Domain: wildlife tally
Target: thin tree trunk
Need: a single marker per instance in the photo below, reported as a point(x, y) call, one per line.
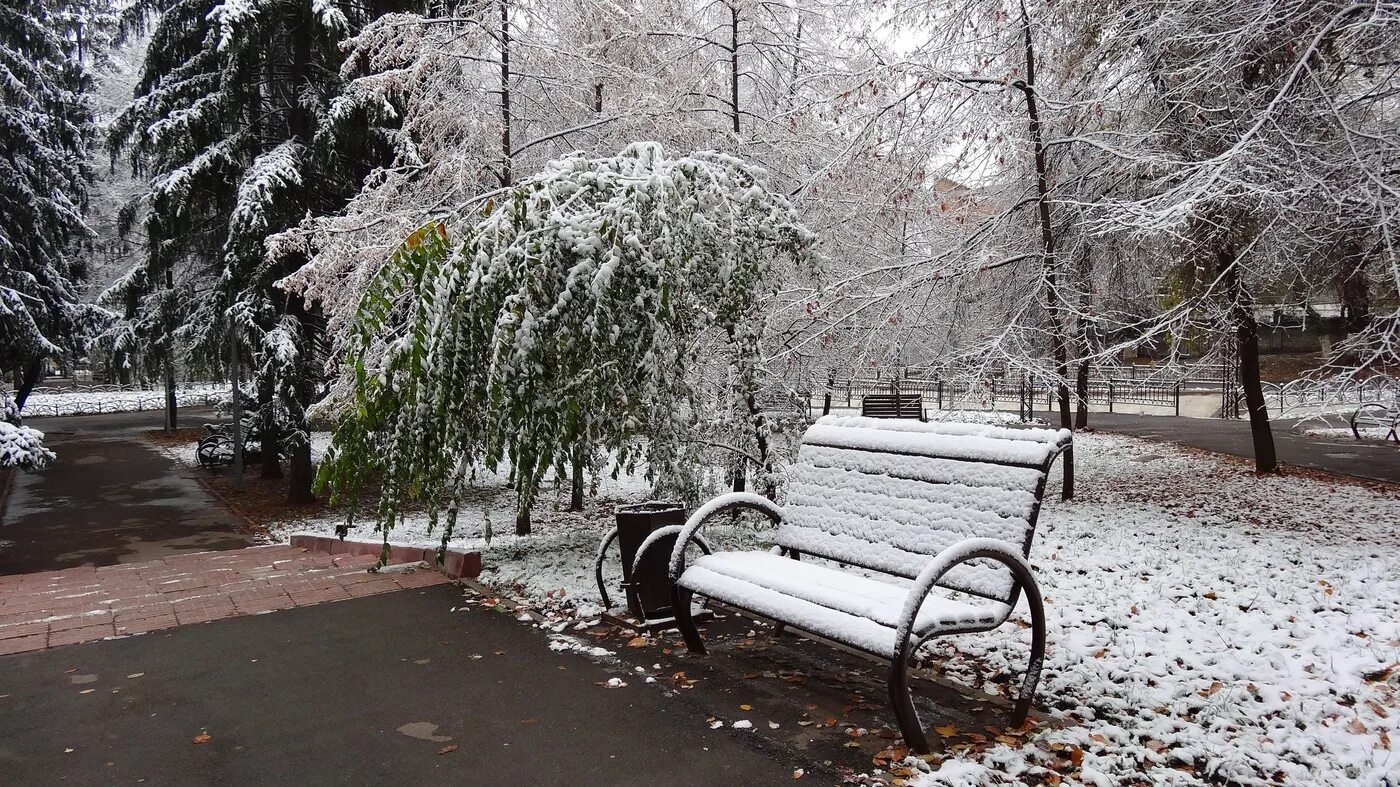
point(734, 66)
point(301, 474)
point(28, 377)
point(267, 427)
point(171, 416)
point(741, 475)
point(506, 175)
point(1054, 305)
point(1081, 395)
point(576, 481)
point(1247, 345)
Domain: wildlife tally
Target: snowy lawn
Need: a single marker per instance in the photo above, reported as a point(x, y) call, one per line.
point(1206, 626)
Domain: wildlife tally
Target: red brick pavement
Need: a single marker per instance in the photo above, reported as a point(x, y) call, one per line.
point(89, 603)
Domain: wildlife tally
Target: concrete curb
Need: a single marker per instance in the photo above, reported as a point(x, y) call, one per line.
point(456, 563)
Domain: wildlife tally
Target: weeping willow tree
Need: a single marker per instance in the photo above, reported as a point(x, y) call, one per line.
point(586, 309)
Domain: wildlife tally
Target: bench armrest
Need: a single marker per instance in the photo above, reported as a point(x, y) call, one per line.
point(945, 561)
point(726, 502)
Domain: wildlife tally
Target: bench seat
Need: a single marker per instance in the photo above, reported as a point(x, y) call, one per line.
point(840, 605)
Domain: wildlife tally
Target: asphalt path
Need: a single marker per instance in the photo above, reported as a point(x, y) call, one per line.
point(1368, 459)
point(391, 689)
point(111, 497)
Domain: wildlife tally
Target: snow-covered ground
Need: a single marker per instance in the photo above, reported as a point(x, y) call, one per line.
point(83, 402)
point(1207, 625)
point(1345, 433)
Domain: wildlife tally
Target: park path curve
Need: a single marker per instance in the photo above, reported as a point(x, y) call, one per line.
point(89, 603)
point(111, 497)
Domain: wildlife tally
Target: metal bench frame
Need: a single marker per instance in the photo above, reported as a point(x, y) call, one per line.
point(907, 639)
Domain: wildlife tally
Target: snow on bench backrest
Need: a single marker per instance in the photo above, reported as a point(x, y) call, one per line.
point(888, 495)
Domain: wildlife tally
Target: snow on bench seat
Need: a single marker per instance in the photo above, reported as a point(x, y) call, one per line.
point(839, 605)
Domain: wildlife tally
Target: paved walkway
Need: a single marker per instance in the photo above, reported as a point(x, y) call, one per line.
point(88, 603)
point(393, 689)
point(1346, 456)
point(111, 498)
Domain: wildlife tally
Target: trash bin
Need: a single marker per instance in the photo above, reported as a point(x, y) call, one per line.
point(648, 595)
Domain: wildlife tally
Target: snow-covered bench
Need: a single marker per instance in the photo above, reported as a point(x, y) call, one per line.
point(946, 505)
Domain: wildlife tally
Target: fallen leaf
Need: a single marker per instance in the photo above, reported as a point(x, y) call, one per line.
point(947, 731)
point(528, 722)
point(1210, 595)
point(203, 737)
point(1355, 726)
point(746, 707)
point(1156, 745)
point(637, 642)
point(448, 749)
point(798, 773)
point(1383, 742)
point(1076, 756)
point(1098, 654)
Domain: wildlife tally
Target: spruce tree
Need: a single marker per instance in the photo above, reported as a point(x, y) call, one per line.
point(45, 124)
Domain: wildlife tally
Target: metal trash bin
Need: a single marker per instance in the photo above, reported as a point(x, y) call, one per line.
point(649, 593)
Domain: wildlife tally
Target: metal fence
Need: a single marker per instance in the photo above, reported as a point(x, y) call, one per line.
point(94, 399)
point(991, 394)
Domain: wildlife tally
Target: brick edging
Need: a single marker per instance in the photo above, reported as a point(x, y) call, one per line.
point(457, 563)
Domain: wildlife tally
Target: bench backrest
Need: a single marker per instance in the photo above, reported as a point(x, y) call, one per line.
point(889, 495)
point(892, 406)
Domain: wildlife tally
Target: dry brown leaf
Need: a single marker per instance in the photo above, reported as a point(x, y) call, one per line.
point(1383, 742)
point(203, 737)
point(1355, 726)
point(798, 773)
point(1076, 756)
point(746, 707)
point(1098, 654)
point(448, 749)
point(947, 730)
point(637, 642)
point(1156, 745)
point(892, 754)
point(1211, 595)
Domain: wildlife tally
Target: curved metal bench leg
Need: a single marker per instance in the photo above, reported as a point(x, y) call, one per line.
point(781, 628)
point(598, 568)
point(903, 705)
point(680, 605)
point(1037, 660)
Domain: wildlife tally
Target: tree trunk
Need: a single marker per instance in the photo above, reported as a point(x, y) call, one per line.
point(1247, 343)
point(734, 66)
point(741, 474)
point(171, 416)
point(506, 175)
point(1081, 395)
point(576, 484)
point(1054, 305)
point(28, 377)
point(301, 475)
point(267, 427)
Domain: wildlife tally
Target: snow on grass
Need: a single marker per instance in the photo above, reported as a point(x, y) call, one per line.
point(1207, 626)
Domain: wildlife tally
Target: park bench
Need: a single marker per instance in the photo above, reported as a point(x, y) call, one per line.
point(1383, 417)
point(898, 405)
point(947, 505)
